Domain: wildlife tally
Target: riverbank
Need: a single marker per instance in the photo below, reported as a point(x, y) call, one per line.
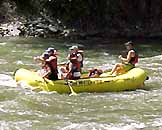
point(47, 28)
point(61, 20)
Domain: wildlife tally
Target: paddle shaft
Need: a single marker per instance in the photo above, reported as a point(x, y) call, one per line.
point(71, 89)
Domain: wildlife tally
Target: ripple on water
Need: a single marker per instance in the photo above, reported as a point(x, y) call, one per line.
point(7, 80)
point(98, 126)
point(22, 109)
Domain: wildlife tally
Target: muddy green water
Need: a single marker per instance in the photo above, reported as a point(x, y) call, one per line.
point(22, 109)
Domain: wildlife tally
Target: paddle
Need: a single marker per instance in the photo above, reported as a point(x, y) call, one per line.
point(73, 93)
point(45, 82)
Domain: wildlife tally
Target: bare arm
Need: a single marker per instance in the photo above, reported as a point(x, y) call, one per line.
point(38, 59)
point(47, 73)
point(129, 56)
point(80, 58)
point(68, 57)
point(51, 58)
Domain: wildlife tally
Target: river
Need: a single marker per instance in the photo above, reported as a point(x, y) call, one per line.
point(23, 109)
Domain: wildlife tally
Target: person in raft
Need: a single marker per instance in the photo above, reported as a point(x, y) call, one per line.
point(45, 71)
point(76, 61)
point(52, 62)
point(128, 62)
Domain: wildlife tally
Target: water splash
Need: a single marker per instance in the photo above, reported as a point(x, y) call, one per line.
point(6, 80)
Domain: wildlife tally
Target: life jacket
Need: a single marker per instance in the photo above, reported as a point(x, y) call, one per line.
point(75, 70)
point(134, 60)
point(74, 61)
point(53, 66)
point(75, 67)
point(73, 57)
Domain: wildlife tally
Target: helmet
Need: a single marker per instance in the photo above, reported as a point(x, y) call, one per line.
point(73, 47)
point(128, 43)
point(50, 49)
point(45, 55)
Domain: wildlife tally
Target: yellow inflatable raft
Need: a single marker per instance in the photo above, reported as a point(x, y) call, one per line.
point(131, 80)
